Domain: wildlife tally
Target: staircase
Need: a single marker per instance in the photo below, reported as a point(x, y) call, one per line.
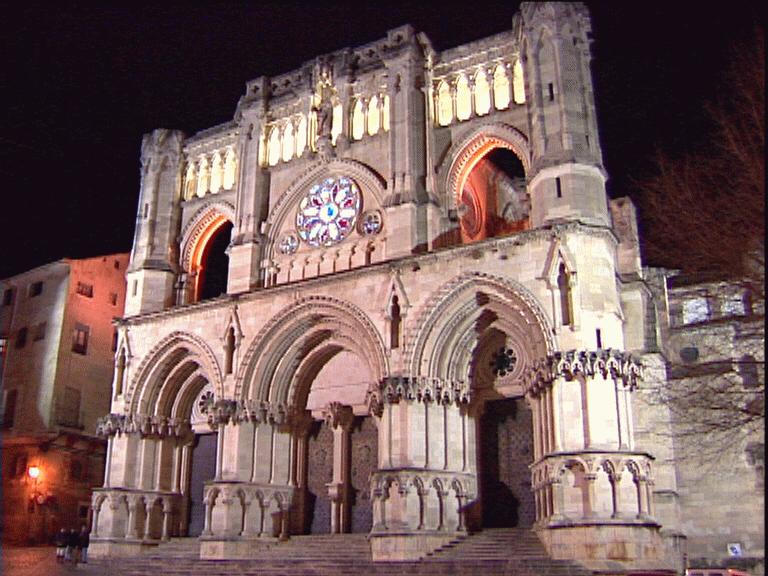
point(494, 552)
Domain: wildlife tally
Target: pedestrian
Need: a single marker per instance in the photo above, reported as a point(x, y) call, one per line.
point(61, 545)
point(83, 540)
point(69, 554)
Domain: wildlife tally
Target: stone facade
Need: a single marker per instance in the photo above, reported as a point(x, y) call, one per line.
point(422, 267)
point(56, 363)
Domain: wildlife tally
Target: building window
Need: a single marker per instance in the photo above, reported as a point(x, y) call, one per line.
point(695, 310)
point(8, 297)
point(85, 289)
point(21, 337)
point(19, 468)
point(9, 409)
point(80, 339)
point(35, 289)
point(117, 264)
point(40, 331)
point(113, 298)
point(733, 305)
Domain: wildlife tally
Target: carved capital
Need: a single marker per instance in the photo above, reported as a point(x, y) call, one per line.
point(338, 415)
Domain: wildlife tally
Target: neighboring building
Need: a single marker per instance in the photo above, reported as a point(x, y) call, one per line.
point(391, 296)
point(58, 347)
point(713, 336)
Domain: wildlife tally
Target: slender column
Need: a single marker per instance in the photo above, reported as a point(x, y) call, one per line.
point(589, 504)
point(642, 497)
point(148, 505)
point(167, 509)
point(616, 489)
point(108, 463)
point(132, 531)
point(96, 512)
point(339, 418)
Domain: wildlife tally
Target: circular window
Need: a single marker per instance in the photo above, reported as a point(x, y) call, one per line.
point(289, 244)
point(371, 223)
point(328, 212)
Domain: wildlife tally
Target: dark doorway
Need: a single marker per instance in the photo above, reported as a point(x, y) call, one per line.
point(506, 451)
point(365, 443)
point(319, 473)
point(215, 264)
point(202, 469)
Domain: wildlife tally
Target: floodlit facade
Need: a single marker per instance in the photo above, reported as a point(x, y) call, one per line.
point(391, 296)
point(57, 356)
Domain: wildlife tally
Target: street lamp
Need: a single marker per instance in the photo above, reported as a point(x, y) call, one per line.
point(34, 473)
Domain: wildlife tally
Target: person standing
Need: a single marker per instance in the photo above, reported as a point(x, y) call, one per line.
point(71, 550)
point(84, 540)
point(61, 545)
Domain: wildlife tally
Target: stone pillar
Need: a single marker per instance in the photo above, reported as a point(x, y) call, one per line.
point(167, 511)
point(132, 530)
point(339, 419)
point(422, 433)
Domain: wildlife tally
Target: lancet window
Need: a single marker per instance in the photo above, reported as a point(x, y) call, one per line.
point(210, 173)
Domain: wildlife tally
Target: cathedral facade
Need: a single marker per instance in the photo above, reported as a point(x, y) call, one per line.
point(390, 296)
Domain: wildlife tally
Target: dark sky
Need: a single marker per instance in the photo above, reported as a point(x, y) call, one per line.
point(83, 81)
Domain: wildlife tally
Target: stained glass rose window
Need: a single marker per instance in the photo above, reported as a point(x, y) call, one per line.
point(328, 213)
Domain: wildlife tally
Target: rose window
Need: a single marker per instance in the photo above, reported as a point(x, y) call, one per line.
point(289, 244)
point(328, 212)
point(371, 223)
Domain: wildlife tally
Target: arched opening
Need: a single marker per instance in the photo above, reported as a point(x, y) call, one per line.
point(213, 262)
point(202, 468)
point(493, 199)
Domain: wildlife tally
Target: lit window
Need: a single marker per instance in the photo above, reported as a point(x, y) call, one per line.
point(301, 136)
point(695, 310)
point(500, 88)
point(80, 339)
point(217, 173)
point(358, 120)
point(190, 183)
point(229, 170)
point(203, 177)
point(273, 149)
point(374, 120)
point(336, 125)
point(518, 83)
point(463, 99)
point(444, 105)
point(482, 94)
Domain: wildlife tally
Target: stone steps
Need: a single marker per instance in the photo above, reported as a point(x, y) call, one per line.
point(496, 552)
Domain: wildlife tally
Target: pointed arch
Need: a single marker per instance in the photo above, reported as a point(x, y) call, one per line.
point(469, 309)
point(471, 148)
point(176, 368)
point(371, 184)
point(294, 345)
point(200, 227)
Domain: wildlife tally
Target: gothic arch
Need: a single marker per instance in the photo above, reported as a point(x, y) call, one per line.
point(463, 311)
point(200, 228)
point(372, 186)
point(175, 369)
point(463, 155)
point(298, 341)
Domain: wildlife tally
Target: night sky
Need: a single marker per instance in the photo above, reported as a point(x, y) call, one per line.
point(83, 81)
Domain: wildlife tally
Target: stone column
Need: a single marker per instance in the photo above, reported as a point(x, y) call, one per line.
point(167, 510)
point(422, 433)
point(339, 419)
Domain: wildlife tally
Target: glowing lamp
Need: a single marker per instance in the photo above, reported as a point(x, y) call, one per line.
point(34, 472)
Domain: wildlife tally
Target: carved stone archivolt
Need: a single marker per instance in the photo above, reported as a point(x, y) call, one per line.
point(618, 365)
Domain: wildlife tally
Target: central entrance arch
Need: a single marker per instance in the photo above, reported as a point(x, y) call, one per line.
point(318, 358)
point(489, 332)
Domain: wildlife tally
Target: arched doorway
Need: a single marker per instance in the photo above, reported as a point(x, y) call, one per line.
point(493, 200)
point(202, 467)
point(214, 263)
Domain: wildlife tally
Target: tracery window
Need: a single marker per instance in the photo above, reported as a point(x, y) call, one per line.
point(288, 142)
point(501, 94)
point(229, 169)
point(518, 83)
point(327, 214)
point(463, 99)
point(358, 120)
point(217, 173)
point(274, 146)
point(203, 177)
point(374, 119)
point(191, 183)
point(482, 94)
point(444, 104)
